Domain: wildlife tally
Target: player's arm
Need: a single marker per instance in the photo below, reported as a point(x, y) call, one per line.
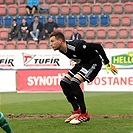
point(106, 62)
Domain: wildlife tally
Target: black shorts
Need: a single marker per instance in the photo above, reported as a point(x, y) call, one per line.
point(87, 71)
point(30, 8)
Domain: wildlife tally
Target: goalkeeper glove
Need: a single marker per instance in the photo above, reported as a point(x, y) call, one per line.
point(112, 68)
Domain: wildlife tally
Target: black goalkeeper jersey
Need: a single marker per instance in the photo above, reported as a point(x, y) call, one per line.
point(85, 52)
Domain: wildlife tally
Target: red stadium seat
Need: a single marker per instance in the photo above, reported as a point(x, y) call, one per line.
point(101, 33)
point(75, 9)
point(126, 20)
point(3, 9)
point(10, 2)
point(81, 30)
point(2, 1)
point(22, 9)
point(109, 43)
point(60, 29)
point(13, 9)
point(123, 33)
point(112, 32)
point(128, 7)
point(32, 45)
point(96, 8)
point(11, 45)
point(71, 1)
point(107, 8)
point(130, 43)
point(130, 29)
point(115, 20)
point(121, 43)
point(2, 44)
point(61, 1)
point(90, 33)
point(43, 44)
point(54, 9)
point(22, 1)
point(118, 8)
point(65, 9)
point(4, 33)
point(86, 8)
point(50, 1)
point(21, 44)
point(68, 32)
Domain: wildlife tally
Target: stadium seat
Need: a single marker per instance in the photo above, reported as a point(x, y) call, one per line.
point(113, 1)
point(21, 2)
point(50, 1)
point(1, 21)
point(22, 9)
point(102, 1)
point(118, 8)
point(61, 20)
point(32, 44)
point(71, 1)
point(96, 8)
point(112, 33)
point(68, 32)
point(60, 29)
point(72, 20)
point(54, 9)
point(81, 30)
point(61, 1)
point(42, 19)
point(21, 44)
point(99, 41)
point(130, 29)
point(94, 20)
point(107, 8)
point(109, 43)
point(104, 20)
point(90, 33)
point(128, 7)
point(29, 19)
point(19, 19)
point(123, 33)
point(115, 20)
point(130, 43)
point(90, 1)
point(43, 44)
point(83, 20)
point(75, 9)
point(120, 43)
point(10, 2)
point(4, 33)
point(43, 8)
point(101, 33)
point(65, 9)
point(126, 20)
point(3, 9)
point(82, 1)
point(12, 9)
point(8, 21)
point(2, 44)
point(2, 1)
point(86, 8)
point(11, 45)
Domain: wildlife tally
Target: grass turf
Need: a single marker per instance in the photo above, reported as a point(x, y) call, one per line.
point(55, 103)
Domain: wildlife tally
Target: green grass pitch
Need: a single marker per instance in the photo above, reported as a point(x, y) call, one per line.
point(111, 112)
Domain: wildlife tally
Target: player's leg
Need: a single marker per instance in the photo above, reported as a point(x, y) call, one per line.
point(4, 124)
point(87, 73)
point(65, 84)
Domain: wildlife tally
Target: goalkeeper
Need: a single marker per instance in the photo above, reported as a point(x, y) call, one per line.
point(89, 57)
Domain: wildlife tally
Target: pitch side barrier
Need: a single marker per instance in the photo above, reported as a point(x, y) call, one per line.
point(42, 70)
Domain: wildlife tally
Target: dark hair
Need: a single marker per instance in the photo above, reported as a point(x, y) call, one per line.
point(58, 35)
point(14, 20)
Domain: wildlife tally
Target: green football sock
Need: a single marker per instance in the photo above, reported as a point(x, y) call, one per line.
point(4, 124)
